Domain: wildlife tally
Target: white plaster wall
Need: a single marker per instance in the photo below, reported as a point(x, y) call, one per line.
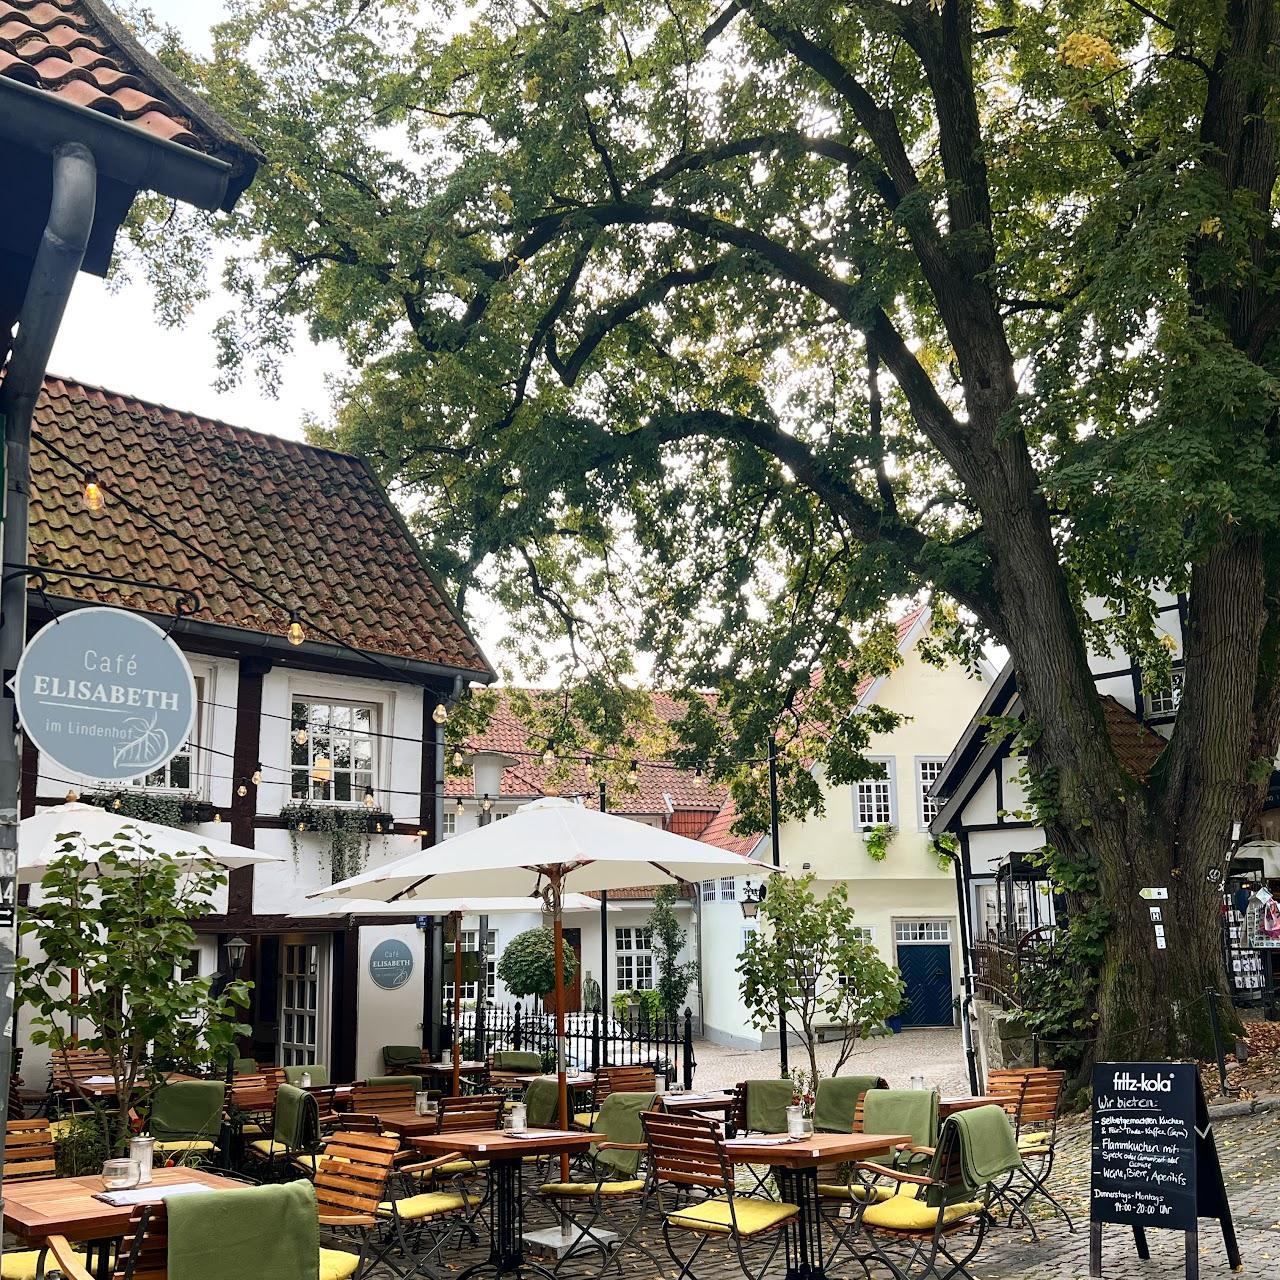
point(387, 1017)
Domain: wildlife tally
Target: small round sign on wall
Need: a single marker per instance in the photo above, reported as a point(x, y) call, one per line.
point(105, 693)
point(391, 964)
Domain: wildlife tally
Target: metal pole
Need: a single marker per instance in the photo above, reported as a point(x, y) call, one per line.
point(604, 946)
point(784, 1066)
point(1212, 997)
point(966, 975)
point(72, 206)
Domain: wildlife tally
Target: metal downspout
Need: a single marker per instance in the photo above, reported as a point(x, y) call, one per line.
point(62, 249)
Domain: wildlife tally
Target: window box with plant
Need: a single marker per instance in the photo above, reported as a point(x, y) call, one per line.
point(877, 840)
point(166, 808)
point(351, 830)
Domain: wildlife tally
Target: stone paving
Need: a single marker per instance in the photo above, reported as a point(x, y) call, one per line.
point(1250, 1150)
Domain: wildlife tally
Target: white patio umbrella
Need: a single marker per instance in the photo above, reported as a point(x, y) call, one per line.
point(546, 847)
point(329, 908)
point(43, 836)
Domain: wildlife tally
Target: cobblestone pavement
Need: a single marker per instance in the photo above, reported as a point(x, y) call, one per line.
point(1250, 1150)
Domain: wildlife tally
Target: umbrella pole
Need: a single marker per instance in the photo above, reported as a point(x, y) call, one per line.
point(562, 1088)
point(457, 999)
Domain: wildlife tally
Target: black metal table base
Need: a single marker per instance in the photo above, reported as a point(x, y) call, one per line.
point(804, 1247)
point(506, 1245)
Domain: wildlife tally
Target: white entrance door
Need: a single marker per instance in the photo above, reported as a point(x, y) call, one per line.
point(301, 1000)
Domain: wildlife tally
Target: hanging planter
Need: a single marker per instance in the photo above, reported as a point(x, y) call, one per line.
point(878, 839)
point(162, 807)
point(350, 831)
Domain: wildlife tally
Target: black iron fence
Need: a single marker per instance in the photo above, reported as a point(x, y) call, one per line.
point(591, 1040)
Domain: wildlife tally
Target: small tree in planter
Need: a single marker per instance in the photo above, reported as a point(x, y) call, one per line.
point(126, 927)
point(808, 961)
point(527, 965)
point(668, 939)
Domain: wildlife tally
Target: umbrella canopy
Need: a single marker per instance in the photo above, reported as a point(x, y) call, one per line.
point(581, 848)
point(324, 907)
point(43, 836)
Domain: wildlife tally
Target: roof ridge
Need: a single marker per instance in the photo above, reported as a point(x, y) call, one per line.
point(190, 416)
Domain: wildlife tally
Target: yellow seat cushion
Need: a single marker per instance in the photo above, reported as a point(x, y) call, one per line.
point(585, 1119)
point(839, 1191)
point(1034, 1151)
point(22, 1265)
point(268, 1149)
point(623, 1187)
point(1032, 1139)
point(184, 1144)
point(904, 1212)
point(430, 1204)
point(456, 1167)
point(58, 1129)
point(337, 1264)
point(253, 1128)
point(753, 1216)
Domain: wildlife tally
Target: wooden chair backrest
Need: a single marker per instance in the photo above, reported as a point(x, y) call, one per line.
point(67, 1065)
point(144, 1249)
point(351, 1174)
point(28, 1151)
point(273, 1075)
point(1041, 1100)
point(470, 1111)
point(738, 1111)
point(253, 1093)
point(385, 1097)
point(686, 1151)
point(948, 1168)
point(624, 1080)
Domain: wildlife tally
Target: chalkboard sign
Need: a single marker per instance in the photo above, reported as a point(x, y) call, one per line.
point(1155, 1160)
point(1144, 1144)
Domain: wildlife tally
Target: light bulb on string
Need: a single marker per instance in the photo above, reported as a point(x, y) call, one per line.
point(633, 771)
point(296, 633)
point(72, 796)
point(94, 498)
point(457, 759)
point(459, 808)
point(256, 776)
point(217, 817)
point(486, 804)
point(242, 789)
point(549, 755)
point(368, 798)
point(300, 737)
point(440, 714)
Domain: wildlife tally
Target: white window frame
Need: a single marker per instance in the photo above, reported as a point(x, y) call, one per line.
point(633, 952)
point(195, 748)
point(1165, 702)
point(924, 802)
point(708, 891)
point(449, 822)
point(292, 1051)
point(926, 932)
point(320, 689)
point(470, 942)
point(890, 782)
point(728, 889)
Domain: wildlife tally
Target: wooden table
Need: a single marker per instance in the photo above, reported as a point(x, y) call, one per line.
point(683, 1104)
point(466, 1068)
point(505, 1158)
point(949, 1106)
point(407, 1123)
point(108, 1088)
point(36, 1210)
point(795, 1165)
point(583, 1080)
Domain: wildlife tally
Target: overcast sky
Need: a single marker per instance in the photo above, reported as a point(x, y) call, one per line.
point(111, 339)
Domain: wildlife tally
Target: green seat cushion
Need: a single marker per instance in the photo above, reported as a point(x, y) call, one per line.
point(521, 1060)
point(398, 1055)
point(317, 1070)
point(718, 1217)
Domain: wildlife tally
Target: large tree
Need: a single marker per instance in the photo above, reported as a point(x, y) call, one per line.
point(711, 329)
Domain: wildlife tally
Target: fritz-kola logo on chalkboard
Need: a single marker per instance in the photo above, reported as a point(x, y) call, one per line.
point(1143, 1083)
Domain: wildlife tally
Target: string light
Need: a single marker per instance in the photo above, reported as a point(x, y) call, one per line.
point(300, 737)
point(295, 632)
point(378, 828)
point(321, 769)
point(115, 804)
point(457, 759)
point(459, 808)
point(368, 798)
point(217, 817)
point(440, 714)
point(486, 804)
point(549, 755)
point(242, 790)
point(94, 498)
point(72, 796)
point(633, 771)
point(257, 774)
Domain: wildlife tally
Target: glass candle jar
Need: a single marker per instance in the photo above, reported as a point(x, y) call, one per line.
point(795, 1122)
point(143, 1150)
point(120, 1175)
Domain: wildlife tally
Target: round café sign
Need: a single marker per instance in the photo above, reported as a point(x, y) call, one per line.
point(105, 693)
point(391, 964)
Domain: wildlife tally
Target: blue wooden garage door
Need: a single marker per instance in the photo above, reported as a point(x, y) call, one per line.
point(926, 971)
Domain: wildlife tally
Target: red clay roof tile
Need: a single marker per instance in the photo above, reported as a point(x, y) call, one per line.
point(255, 501)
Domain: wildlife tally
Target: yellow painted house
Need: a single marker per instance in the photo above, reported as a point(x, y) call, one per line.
point(906, 902)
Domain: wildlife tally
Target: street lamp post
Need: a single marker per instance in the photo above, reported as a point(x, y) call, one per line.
point(237, 950)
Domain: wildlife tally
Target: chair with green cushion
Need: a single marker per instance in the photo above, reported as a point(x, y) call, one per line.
point(295, 1130)
point(608, 1178)
point(928, 1212)
point(835, 1102)
point(317, 1070)
point(765, 1105)
point(395, 1056)
point(186, 1117)
point(229, 1235)
point(541, 1104)
point(524, 1061)
point(246, 1067)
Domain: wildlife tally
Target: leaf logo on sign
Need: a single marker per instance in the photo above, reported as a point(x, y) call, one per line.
point(149, 746)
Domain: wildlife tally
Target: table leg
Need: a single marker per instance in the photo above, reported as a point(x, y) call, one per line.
point(506, 1244)
point(800, 1187)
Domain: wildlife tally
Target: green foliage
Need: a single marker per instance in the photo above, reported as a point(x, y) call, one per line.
point(127, 928)
point(876, 840)
point(651, 1011)
point(350, 830)
point(527, 965)
point(946, 849)
point(167, 810)
point(621, 1002)
point(1054, 994)
point(669, 937)
point(84, 1143)
point(807, 958)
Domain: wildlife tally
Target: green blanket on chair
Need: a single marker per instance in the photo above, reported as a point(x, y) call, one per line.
point(235, 1235)
point(837, 1100)
point(541, 1104)
point(619, 1121)
point(767, 1103)
point(988, 1147)
point(187, 1109)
